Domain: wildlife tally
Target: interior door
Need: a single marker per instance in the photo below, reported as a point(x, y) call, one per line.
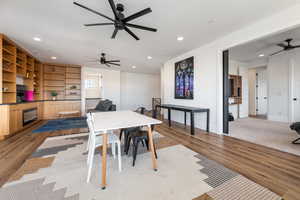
point(296, 89)
point(262, 92)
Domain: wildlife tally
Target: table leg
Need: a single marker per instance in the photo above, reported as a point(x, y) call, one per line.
point(192, 124)
point(184, 118)
point(150, 136)
point(207, 121)
point(104, 151)
point(169, 117)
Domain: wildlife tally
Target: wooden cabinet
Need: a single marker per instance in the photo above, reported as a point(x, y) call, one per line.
point(52, 108)
point(15, 119)
point(12, 117)
point(235, 89)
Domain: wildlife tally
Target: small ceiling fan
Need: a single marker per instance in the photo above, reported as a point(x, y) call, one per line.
point(287, 46)
point(102, 60)
point(120, 21)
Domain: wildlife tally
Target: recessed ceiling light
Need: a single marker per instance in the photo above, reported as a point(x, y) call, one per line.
point(149, 57)
point(53, 58)
point(133, 67)
point(211, 21)
point(180, 38)
point(37, 39)
point(261, 55)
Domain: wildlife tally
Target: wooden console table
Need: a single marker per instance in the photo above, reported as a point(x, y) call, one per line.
point(185, 109)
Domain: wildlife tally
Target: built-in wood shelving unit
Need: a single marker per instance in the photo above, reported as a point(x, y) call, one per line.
point(236, 89)
point(9, 56)
point(17, 65)
point(37, 80)
point(54, 80)
point(21, 62)
point(63, 79)
point(73, 83)
point(16, 62)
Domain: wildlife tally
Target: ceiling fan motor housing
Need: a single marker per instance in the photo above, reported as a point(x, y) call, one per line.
point(120, 7)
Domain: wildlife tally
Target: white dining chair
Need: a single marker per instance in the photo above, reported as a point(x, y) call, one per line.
point(96, 140)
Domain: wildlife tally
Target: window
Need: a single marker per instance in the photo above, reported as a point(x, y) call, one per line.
point(90, 83)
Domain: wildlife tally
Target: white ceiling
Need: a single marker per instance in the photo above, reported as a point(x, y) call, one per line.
point(60, 25)
point(250, 52)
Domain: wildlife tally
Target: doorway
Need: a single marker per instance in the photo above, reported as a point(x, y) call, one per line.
point(295, 89)
point(261, 93)
point(267, 85)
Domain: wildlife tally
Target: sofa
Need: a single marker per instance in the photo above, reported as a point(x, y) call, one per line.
point(104, 106)
point(296, 127)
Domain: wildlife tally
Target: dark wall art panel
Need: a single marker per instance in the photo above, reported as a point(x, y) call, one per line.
point(184, 79)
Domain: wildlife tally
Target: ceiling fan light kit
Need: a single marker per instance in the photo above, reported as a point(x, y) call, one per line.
point(120, 22)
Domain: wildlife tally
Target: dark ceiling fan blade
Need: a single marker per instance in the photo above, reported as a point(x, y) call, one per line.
point(277, 52)
point(141, 27)
point(114, 64)
point(99, 24)
point(113, 7)
point(114, 33)
point(281, 45)
point(107, 65)
point(113, 61)
point(138, 14)
point(93, 11)
point(95, 60)
point(131, 33)
point(298, 46)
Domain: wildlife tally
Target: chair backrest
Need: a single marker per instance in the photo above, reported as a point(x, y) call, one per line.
point(91, 122)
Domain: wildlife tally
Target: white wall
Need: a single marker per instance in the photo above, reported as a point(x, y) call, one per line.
point(126, 90)
point(208, 66)
point(278, 81)
point(138, 90)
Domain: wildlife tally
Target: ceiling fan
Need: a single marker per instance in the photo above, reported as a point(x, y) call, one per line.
point(102, 60)
point(287, 46)
point(120, 22)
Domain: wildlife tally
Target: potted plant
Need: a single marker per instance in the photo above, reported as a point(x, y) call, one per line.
point(54, 95)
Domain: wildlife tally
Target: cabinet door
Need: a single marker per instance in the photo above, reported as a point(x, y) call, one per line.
point(15, 120)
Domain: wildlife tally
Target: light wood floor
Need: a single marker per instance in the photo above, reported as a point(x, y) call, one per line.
point(275, 170)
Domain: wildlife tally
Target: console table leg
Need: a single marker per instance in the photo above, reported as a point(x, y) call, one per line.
point(169, 117)
point(192, 124)
point(207, 121)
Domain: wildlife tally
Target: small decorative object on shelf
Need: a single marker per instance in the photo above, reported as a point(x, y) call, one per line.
point(54, 95)
point(73, 87)
point(5, 89)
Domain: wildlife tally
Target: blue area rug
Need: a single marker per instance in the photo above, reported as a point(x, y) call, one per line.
point(62, 124)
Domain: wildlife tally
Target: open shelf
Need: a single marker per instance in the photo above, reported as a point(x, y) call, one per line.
point(9, 57)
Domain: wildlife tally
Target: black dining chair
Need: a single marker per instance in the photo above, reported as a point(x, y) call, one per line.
point(136, 135)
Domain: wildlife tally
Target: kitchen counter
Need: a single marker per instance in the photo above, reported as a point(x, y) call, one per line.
point(40, 101)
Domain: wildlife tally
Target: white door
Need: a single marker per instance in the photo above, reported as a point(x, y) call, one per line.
point(262, 92)
point(295, 89)
point(93, 86)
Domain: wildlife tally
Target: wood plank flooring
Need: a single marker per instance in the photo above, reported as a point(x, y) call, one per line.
point(273, 169)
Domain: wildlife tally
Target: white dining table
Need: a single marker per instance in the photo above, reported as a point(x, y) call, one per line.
point(115, 120)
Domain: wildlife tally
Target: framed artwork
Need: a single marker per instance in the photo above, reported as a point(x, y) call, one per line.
point(184, 79)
